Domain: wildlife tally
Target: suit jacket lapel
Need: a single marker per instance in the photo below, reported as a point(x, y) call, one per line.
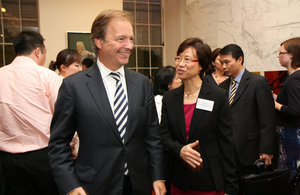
point(131, 90)
point(198, 113)
point(180, 112)
point(242, 86)
point(96, 87)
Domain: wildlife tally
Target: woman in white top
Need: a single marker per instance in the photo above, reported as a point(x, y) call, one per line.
point(165, 79)
point(68, 62)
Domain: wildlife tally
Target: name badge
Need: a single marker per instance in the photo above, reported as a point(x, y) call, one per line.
point(204, 104)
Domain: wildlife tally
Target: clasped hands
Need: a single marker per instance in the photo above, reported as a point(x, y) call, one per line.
point(191, 156)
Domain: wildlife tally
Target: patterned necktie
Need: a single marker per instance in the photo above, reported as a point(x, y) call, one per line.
point(120, 109)
point(233, 91)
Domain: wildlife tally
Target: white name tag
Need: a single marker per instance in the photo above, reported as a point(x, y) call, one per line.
point(204, 104)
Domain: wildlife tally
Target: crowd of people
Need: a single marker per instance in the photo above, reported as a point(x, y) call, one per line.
point(96, 127)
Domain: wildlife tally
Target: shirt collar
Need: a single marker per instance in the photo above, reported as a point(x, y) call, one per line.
point(24, 61)
point(105, 71)
point(239, 76)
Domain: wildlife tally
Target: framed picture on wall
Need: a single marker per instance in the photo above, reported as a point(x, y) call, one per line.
point(81, 42)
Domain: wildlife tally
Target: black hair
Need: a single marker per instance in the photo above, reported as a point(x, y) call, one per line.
point(65, 57)
point(234, 50)
point(203, 52)
point(27, 41)
point(214, 55)
point(88, 62)
point(163, 78)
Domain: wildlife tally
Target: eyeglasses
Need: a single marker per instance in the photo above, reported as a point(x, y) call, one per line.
point(187, 60)
point(283, 52)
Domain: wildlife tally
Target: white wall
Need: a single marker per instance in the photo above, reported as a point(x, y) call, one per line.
point(258, 26)
point(59, 16)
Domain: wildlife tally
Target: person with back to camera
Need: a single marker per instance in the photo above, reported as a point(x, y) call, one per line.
point(165, 79)
point(215, 74)
point(113, 111)
point(287, 105)
point(68, 62)
point(195, 128)
point(27, 97)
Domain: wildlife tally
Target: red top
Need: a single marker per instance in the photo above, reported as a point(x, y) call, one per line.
point(188, 114)
point(176, 191)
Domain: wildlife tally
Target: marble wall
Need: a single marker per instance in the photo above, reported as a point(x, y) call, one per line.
point(258, 26)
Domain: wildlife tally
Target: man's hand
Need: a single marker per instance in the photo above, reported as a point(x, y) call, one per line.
point(159, 188)
point(191, 156)
point(78, 191)
point(266, 157)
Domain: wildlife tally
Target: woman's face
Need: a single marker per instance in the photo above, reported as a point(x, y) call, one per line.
point(186, 65)
point(175, 83)
point(284, 57)
point(218, 64)
point(71, 69)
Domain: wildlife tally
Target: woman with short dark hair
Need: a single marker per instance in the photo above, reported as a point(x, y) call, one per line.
point(196, 129)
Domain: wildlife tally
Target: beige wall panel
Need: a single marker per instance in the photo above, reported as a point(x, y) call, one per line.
point(59, 16)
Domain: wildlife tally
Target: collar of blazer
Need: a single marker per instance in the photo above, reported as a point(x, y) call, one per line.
point(197, 115)
point(242, 85)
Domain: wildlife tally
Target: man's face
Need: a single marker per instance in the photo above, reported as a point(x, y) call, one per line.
point(115, 50)
point(231, 66)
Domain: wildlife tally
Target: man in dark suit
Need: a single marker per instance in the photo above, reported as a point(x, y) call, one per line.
point(253, 113)
point(120, 148)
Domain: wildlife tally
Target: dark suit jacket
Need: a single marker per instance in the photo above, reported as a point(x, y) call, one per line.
point(83, 105)
point(253, 117)
point(214, 133)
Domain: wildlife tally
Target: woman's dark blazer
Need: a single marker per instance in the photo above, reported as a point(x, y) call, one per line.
point(214, 133)
point(210, 79)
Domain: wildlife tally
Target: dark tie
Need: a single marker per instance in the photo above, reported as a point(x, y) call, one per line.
point(233, 91)
point(120, 109)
